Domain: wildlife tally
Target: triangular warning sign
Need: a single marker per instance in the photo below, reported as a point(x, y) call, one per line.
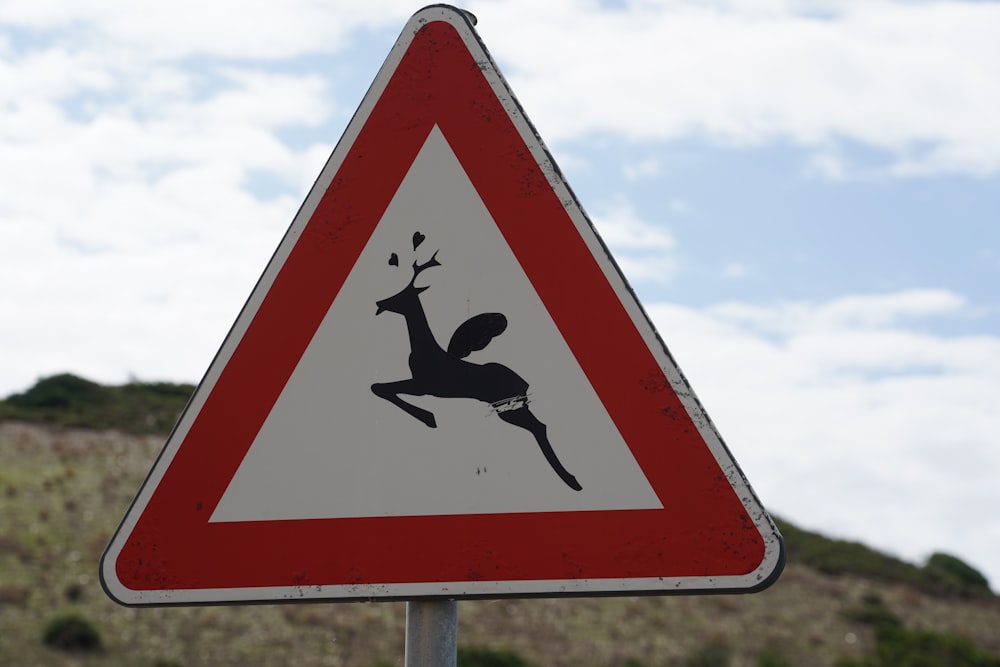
point(440, 387)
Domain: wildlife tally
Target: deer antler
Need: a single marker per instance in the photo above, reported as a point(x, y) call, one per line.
point(418, 268)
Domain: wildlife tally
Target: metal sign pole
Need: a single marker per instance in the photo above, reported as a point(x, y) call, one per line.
point(431, 633)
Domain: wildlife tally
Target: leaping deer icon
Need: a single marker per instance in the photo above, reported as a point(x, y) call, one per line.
point(446, 374)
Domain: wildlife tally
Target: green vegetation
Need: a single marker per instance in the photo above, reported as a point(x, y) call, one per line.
point(954, 574)
point(902, 647)
point(712, 654)
point(872, 612)
point(633, 662)
point(772, 657)
point(898, 646)
point(943, 575)
point(71, 632)
point(489, 657)
point(69, 400)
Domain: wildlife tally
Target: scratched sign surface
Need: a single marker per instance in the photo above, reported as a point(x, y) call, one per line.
point(441, 386)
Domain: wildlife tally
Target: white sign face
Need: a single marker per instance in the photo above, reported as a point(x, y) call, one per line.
point(441, 387)
point(331, 448)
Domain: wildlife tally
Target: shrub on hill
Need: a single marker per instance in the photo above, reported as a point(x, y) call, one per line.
point(488, 657)
point(943, 575)
point(71, 632)
point(952, 573)
point(832, 556)
point(898, 646)
point(69, 400)
point(711, 654)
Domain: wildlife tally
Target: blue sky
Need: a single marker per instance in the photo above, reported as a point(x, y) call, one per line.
point(804, 194)
point(754, 223)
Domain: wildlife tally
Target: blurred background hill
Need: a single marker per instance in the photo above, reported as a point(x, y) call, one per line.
point(72, 453)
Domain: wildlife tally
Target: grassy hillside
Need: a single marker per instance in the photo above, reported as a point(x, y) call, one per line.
point(64, 489)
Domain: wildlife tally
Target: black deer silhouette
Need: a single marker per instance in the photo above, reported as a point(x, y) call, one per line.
point(446, 373)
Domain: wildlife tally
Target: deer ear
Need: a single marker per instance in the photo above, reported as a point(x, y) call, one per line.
point(418, 238)
point(476, 333)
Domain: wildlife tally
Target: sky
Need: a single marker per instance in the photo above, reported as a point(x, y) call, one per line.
point(805, 196)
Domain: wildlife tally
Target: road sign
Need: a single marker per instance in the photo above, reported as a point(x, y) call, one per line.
point(441, 386)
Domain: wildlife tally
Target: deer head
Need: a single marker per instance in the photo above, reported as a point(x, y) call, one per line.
point(408, 298)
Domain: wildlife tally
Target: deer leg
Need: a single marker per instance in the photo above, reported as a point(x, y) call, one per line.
point(390, 391)
point(524, 418)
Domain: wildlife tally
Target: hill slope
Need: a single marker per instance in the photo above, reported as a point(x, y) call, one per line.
point(63, 491)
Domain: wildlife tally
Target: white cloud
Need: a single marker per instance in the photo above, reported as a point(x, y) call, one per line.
point(127, 222)
point(645, 251)
point(222, 28)
point(735, 270)
point(680, 206)
point(915, 80)
point(847, 419)
point(863, 311)
point(643, 169)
